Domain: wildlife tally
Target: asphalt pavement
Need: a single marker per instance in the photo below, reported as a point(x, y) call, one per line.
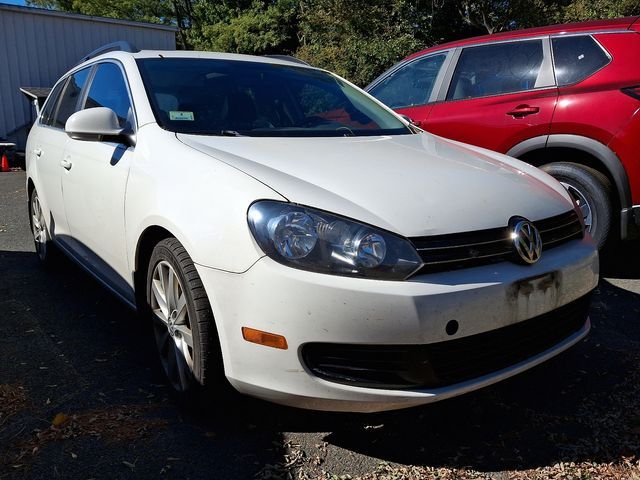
point(81, 396)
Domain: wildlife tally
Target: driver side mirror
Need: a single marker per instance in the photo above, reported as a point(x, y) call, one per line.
point(99, 124)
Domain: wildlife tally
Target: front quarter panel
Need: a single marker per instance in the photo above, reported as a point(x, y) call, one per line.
point(199, 200)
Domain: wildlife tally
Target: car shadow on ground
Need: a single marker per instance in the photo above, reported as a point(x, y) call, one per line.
point(76, 350)
point(581, 406)
point(621, 260)
point(82, 396)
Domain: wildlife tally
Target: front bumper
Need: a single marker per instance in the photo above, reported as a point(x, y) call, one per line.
point(309, 307)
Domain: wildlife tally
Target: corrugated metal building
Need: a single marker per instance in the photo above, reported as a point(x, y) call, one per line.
point(37, 46)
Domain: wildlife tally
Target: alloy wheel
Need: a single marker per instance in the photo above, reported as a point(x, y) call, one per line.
point(583, 204)
point(38, 227)
point(171, 326)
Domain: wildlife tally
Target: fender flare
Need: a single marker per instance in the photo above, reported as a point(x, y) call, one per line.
point(594, 148)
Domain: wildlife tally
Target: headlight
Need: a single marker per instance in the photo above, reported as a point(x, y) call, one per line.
point(309, 239)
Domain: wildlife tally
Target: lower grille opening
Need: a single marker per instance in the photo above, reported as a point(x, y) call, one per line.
point(444, 363)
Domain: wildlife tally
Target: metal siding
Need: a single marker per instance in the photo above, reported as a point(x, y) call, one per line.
point(37, 49)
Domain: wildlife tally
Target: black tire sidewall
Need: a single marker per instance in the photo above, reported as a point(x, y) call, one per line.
point(596, 190)
point(163, 252)
point(49, 256)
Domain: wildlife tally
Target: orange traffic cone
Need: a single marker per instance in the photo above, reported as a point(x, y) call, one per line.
point(4, 164)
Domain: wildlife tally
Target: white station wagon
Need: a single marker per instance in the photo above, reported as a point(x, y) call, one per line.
point(283, 228)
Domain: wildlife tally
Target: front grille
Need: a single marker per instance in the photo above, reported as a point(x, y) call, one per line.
point(469, 249)
point(444, 363)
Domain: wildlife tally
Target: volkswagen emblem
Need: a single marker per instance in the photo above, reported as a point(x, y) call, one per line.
point(526, 240)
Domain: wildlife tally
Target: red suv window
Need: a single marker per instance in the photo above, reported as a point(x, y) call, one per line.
point(496, 69)
point(411, 84)
point(576, 58)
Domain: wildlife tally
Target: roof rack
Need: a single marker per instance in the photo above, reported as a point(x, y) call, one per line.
point(120, 46)
point(288, 58)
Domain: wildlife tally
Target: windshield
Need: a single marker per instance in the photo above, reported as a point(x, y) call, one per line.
point(227, 97)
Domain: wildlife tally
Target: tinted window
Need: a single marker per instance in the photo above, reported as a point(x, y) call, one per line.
point(46, 118)
point(576, 58)
point(496, 69)
point(411, 84)
point(108, 89)
point(225, 97)
point(68, 103)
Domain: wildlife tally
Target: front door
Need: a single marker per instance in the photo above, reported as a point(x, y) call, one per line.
point(94, 185)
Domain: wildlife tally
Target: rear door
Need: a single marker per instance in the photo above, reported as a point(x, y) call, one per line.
point(49, 146)
point(411, 87)
point(498, 95)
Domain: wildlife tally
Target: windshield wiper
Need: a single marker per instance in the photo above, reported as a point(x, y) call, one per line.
point(214, 133)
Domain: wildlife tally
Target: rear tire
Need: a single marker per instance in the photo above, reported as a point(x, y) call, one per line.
point(183, 324)
point(592, 192)
point(45, 249)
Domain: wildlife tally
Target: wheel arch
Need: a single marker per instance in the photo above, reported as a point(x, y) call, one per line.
point(147, 240)
point(552, 148)
point(30, 187)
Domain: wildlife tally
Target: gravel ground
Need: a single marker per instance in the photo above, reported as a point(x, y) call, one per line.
point(81, 397)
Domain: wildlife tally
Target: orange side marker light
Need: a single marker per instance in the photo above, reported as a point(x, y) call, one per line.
point(264, 338)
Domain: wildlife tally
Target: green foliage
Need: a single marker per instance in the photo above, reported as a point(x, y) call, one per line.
point(492, 16)
point(357, 39)
point(259, 28)
point(592, 9)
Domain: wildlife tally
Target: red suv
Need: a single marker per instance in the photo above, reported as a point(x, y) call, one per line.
point(565, 98)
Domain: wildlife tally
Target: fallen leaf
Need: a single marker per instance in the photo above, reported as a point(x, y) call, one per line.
point(59, 419)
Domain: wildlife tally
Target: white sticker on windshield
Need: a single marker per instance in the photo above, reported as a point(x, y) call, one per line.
point(181, 116)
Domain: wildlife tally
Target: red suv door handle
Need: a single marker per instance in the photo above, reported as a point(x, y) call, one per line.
point(522, 111)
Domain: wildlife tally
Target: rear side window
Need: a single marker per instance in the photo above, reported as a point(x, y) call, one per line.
point(46, 117)
point(108, 89)
point(68, 104)
point(576, 58)
point(496, 69)
point(411, 84)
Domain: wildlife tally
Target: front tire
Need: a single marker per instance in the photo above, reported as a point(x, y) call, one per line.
point(183, 322)
point(591, 190)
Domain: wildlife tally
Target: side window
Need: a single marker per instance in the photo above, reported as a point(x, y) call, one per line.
point(68, 104)
point(496, 69)
point(46, 117)
point(411, 84)
point(108, 89)
point(576, 58)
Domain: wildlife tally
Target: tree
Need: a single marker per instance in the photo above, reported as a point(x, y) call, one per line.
point(592, 9)
point(257, 27)
point(491, 16)
point(357, 39)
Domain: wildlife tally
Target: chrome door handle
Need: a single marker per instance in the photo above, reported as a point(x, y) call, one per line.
point(37, 152)
point(66, 163)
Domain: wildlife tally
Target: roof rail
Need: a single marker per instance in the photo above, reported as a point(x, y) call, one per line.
point(120, 46)
point(288, 58)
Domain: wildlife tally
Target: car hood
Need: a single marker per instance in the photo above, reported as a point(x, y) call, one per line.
point(414, 185)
